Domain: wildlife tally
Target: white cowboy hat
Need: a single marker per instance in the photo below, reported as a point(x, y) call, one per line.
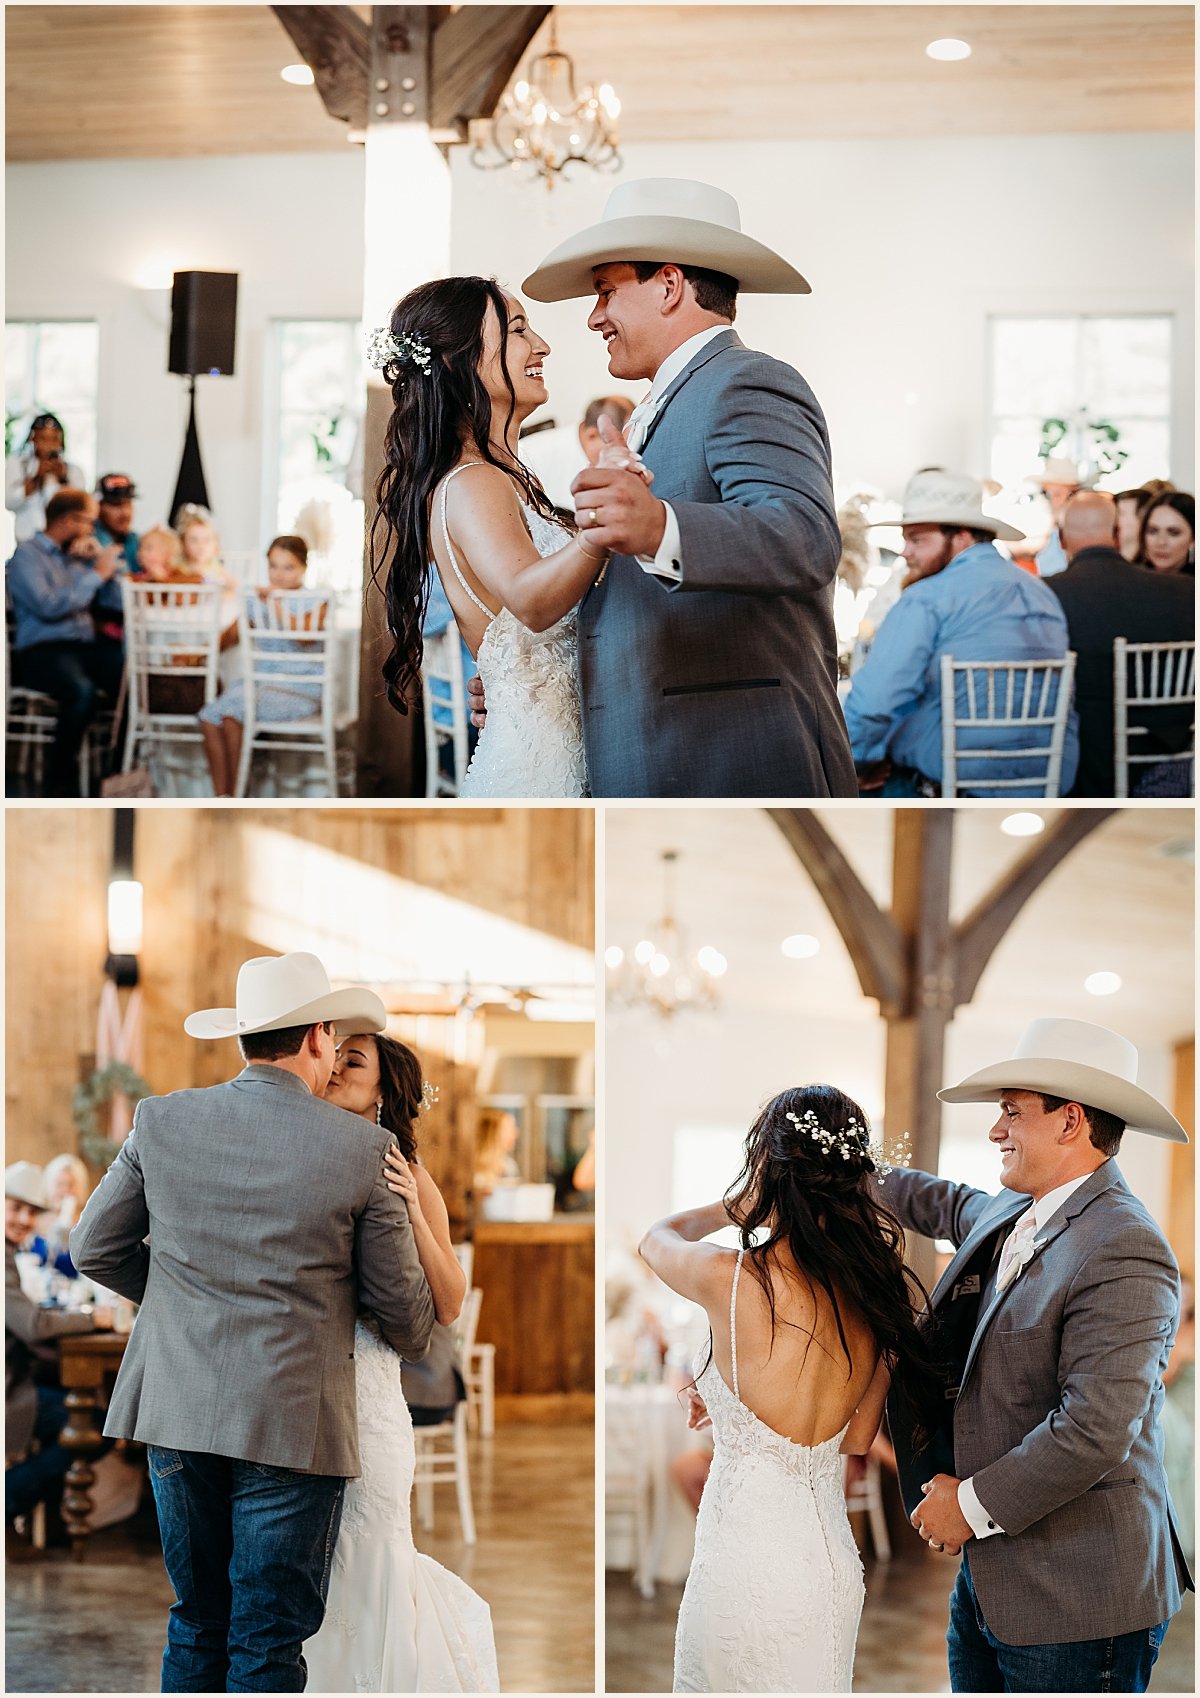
point(669, 219)
point(288, 990)
point(1056, 469)
point(1078, 1061)
point(23, 1182)
point(946, 498)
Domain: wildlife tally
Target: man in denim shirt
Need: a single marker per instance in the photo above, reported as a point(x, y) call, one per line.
point(54, 579)
point(962, 598)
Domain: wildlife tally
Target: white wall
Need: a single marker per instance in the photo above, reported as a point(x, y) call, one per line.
point(908, 245)
point(82, 239)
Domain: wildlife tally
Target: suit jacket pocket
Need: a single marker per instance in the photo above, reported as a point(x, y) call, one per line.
point(725, 684)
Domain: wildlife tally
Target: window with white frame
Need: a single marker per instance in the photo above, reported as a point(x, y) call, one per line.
point(1089, 371)
point(51, 366)
point(320, 405)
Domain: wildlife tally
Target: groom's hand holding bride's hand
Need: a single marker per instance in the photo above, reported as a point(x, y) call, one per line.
point(939, 1520)
point(613, 503)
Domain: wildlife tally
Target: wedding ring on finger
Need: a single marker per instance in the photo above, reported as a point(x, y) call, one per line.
point(593, 518)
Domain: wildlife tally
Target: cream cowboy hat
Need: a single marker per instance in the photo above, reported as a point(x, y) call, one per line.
point(1056, 469)
point(946, 498)
point(23, 1182)
point(288, 990)
point(667, 219)
point(1078, 1061)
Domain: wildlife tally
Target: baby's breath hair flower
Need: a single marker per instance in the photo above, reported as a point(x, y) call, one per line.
point(850, 1140)
point(429, 1095)
point(384, 350)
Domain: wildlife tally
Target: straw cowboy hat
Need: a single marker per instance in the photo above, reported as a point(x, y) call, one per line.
point(1056, 469)
point(665, 219)
point(23, 1182)
point(288, 990)
point(946, 498)
point(1077, 1061)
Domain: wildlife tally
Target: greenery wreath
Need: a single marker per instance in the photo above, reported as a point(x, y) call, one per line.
point(115, 1078)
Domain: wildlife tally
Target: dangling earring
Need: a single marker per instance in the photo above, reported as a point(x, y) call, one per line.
point(379, 1112)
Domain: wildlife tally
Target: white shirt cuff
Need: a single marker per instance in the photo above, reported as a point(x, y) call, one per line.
point(668, 562)
point(980, 1521)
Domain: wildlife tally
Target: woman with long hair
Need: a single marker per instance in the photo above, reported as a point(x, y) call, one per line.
point(466, 370)
point(396, 1621)
point(1167, 540)
point(811, 1320)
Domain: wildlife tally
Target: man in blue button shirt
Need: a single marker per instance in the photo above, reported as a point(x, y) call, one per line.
point(53, 581)
point(963, 598)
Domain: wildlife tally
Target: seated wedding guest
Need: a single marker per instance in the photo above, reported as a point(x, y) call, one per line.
point(160, 559)
point(1167, 542)
point(222, 720)
point(116, 494)
point(32, 1411)
point(54, 580)
point(202, 545)
point(1104, 598)
point(433, 1386)
point(439, 616)
point(556, 455)
point(963, 598)
point(36, 473)
point(67, 1189)
point(1058, 482)
point(1131, 504)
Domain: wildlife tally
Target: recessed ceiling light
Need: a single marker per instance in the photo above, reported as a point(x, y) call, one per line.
point(301, 75)
point(1102, 984)
point(1022, 825)
point(947, 47)
point(801, 947)
point(614, 955)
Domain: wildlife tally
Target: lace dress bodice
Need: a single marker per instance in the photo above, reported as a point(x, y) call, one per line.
point(775, 1591)
point(532, 744)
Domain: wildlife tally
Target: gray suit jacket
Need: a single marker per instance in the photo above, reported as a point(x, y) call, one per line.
point(1056, 1408)
point(725, 684)
point(269, 1223)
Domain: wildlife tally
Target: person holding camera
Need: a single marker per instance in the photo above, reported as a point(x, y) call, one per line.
point(36, 473)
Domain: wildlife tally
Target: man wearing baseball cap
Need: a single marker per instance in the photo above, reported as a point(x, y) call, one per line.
point(1055, 1319)
point(963, 599)
point(32, 1411)
point(116, 494)
point(250, 1221)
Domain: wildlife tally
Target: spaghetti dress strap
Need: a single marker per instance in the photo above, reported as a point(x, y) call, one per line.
point(733, 1323)
point(467, 590)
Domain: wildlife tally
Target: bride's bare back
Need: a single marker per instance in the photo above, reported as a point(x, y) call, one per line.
point(796, 1380)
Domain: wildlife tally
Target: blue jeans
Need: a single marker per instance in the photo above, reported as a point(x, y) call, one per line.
point(979, 1662)
point(39, 1478)
point(247, 1549)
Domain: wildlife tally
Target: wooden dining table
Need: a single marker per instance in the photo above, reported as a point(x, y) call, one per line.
point(88, 1363)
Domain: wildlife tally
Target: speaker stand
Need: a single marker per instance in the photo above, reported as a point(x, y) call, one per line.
point(190, 485)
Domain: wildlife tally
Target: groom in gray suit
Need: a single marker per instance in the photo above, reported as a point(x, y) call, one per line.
point(251, 1221)
point(1056, 1318)
point(707, 657)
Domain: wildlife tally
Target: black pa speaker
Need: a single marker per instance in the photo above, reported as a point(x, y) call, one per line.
point(203, 322)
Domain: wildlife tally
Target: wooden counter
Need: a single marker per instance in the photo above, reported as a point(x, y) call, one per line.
point(538, 1280)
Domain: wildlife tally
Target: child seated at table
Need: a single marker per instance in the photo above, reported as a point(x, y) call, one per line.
point(222, 721)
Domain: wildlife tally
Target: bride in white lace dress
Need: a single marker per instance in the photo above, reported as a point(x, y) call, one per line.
point(808, 1326)
point(395, 1620)
point(466, 371)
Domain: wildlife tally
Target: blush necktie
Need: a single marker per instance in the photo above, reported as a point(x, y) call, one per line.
point(639, 422)
point(1011, 1260)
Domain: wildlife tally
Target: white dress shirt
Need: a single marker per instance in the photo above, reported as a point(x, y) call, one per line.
point(667, 562)
point(980, 1521)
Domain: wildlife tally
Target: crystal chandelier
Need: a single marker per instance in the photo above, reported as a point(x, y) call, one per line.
point(541, 123)
point(661, 973)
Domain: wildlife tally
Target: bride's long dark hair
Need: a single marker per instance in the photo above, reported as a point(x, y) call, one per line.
point(436, 413)
point(826, 1207)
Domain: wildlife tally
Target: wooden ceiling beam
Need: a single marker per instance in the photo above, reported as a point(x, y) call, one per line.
point(476, 50)
point(335, 44)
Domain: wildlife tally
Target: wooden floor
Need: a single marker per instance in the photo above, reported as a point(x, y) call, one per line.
point(901, 1644)
point(100, 1627)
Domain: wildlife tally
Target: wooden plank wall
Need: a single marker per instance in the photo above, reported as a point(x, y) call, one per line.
point(534, 867)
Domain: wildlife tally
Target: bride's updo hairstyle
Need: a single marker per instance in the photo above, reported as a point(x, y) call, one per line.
point(809, 1181)
point(401, 1088)
point(440, 405)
